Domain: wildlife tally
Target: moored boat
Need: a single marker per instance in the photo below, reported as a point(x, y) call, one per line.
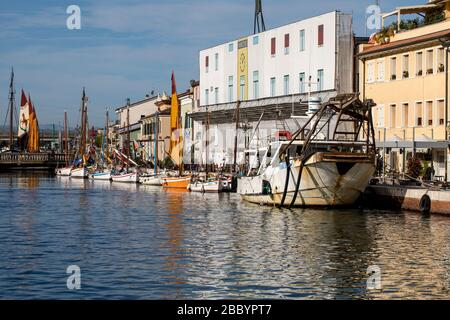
point(102, 176)
point(63, 172)
point(150, 180)
point(176, 182)
point(79, 173)
point(132, 177)
point(330, 167)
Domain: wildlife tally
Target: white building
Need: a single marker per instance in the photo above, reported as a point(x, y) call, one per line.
point(269, 76)
point(280, 62)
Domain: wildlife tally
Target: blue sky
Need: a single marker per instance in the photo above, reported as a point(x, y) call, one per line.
point(127, 48)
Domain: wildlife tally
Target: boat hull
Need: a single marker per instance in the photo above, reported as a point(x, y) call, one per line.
point(323, 184)
point(64, 172)
point(101, 176)
point(176, 183)
point(150, 181)
point(126, 178)
point(79, 173)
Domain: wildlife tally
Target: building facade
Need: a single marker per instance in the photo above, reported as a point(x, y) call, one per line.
point(405, 73)
point(253, 86)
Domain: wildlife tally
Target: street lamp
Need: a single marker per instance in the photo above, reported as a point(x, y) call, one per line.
point(445, 42)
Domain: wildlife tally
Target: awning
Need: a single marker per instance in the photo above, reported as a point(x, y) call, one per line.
point(411, 145)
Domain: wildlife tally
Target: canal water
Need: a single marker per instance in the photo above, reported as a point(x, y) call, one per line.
point(135, 242)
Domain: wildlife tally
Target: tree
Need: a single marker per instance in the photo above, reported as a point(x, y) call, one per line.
point(414, 167)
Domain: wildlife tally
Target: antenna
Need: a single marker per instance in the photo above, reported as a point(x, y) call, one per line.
point(259, 18)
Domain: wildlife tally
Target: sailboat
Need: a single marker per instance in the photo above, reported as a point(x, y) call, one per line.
point(79, 169)
point(208, 184)
point(67, 170)
point(126, 175)
point(155, 179)
point(102, 173)
point(176, 144)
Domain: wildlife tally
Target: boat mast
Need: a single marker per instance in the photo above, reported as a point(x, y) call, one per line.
point(107, 135)
point(66, 139)
point(156, 142)
point(236, 134)
point(207, 141)
point(83, 126)
point(11, 109)
point(128, 151)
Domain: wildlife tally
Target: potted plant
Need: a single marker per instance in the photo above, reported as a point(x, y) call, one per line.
point(405, 74)
point(441, 67)
point(419, 73)
point(430, 71)
point(393, 77)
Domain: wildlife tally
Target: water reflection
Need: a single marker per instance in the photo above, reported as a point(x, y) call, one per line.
point(144, 242)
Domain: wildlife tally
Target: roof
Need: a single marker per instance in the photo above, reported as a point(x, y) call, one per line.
point(401, 44)
point(411, 9)
point(134, 104)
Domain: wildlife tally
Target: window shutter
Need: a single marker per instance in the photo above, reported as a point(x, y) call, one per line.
point(320, 42)
point(207, 61)
point(273, 46)
point(286, 40)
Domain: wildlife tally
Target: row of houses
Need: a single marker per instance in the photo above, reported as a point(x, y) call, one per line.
point(256, 85)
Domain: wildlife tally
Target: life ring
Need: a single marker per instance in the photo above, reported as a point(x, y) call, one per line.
point(425, 204)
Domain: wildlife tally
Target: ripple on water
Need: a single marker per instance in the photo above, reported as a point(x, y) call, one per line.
point(136, 242)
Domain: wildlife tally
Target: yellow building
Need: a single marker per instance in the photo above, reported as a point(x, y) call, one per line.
point(403, 70)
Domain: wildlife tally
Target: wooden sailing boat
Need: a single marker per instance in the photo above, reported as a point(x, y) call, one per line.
point(176, 144)
point(127, 175)
point(79, 170)
point(102, 173)
point(208, 184)
point(67, 170)
point(155, 179)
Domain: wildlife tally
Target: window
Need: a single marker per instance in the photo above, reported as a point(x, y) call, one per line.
point(207, 97)
point(216, 95)
point(207, 64)
point(256, 84)
point(380, 116)
point(393, 116)
point(302, 40)
point(419, 64)
point(216, 61)
point(405, 115)
point(255, 40)
point(393, 68)
point(380, 64)
point(440, 60)
point(441, 112)
point(230, 89)
point(430, 62)
point(320, 35)
point(231, 47)
point(286, 44)
point(429, 112)
point(302, 79)
point(272, 87)
point(419, 114)
point(286, 85)
point(370, 71)
point(242, 88)
point(405, 67)
point(320, 80)
point(273, 46)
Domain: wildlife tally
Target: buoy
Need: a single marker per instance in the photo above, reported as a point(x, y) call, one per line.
point(425, 204)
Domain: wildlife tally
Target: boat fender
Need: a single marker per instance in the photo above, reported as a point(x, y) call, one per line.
point(425, 204)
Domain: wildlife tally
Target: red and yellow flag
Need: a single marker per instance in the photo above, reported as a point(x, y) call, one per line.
point(176, 143)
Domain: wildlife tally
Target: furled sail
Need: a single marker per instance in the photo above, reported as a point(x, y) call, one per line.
point(24, 124)
point(33, 136)
point(176, 142)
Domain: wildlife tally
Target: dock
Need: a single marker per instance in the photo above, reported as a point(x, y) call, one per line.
point(32, 161)
point(407, 198)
